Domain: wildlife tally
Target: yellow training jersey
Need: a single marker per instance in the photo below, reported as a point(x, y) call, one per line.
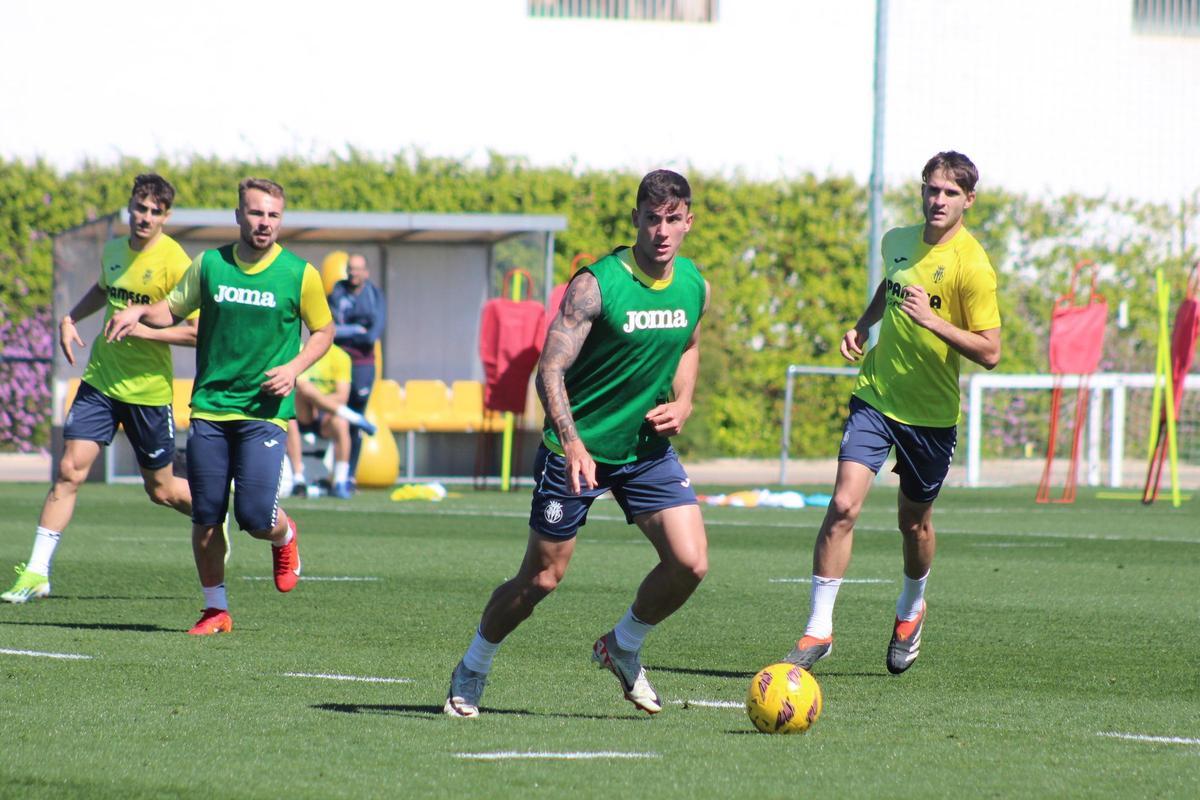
point(135, 370)
point(329, 370)
point(911, 375)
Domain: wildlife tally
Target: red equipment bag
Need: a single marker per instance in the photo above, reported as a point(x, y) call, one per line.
point(1076, 344)
point(511, 334)
point(1077, 332)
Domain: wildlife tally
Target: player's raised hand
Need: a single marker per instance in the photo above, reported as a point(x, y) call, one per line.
point(280, 381)
point(579, 463)
point(123, 322)
point(668, 418)
point(852, 344)
point(68, 335)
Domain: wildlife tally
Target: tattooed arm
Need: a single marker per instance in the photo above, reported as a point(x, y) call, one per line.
point(564, 340)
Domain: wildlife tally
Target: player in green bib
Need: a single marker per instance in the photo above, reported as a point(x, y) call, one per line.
point(937, 303)
point(126, 383)
point(616, 378)
point(253, 296)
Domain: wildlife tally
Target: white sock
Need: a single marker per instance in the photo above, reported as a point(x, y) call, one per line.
point(214, 597)
point(352, 416)
point(822, 596)
point(479, 655)
point(287, 537)
point(44, 542)
point(298, 475)
point(631, 631)
point(908, 606)
point(341, 471)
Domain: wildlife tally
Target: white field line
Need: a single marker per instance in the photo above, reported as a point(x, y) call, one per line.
point(1016, 544)
point(844, 580)
point(804, 525)
point(576, 755)
point(343, 578)
point(65, 656)
point(1137, 737)
point(709, 703)
point(359, 678)
point(156, 539)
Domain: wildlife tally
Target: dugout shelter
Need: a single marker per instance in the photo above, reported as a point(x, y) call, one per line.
point(436, 271)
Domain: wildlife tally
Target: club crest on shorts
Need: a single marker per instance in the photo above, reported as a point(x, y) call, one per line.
point(553, 512)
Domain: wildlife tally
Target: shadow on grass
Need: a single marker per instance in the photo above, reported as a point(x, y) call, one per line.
point(96, 626)
point(748, 674)
point(435, 712)
point(711, 673)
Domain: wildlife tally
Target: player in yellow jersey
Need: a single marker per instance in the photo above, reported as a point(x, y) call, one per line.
point(322, 393)
point(125, 383)
point(937, 302)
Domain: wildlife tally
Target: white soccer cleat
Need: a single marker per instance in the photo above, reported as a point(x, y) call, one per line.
point(627, 666)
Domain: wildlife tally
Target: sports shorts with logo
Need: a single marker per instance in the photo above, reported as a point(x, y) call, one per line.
point(640, 487)
point(923, 455)
point(248, 452)
point(94, 417)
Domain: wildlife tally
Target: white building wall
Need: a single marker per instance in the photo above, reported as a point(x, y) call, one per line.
point(1045, 95)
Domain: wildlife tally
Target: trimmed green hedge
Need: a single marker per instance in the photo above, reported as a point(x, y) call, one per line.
point(787, 259)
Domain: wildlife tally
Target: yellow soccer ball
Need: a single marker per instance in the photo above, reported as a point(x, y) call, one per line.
point(783, 698)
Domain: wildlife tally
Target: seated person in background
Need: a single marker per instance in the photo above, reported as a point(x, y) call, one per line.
point(321, 394)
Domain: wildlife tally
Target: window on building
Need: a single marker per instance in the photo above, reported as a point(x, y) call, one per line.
point(1180, 17)
point(655, 10)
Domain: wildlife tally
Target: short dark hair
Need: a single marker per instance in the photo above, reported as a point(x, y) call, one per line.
point(263, 185)
point(954, 164)
point(663, 186)
point(150, 184)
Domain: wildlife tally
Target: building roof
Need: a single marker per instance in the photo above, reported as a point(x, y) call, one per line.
point(365, 226)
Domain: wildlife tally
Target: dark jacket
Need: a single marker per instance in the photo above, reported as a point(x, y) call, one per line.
point(359, 318)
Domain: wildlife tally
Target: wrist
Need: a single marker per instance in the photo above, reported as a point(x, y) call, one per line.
point(67, 320)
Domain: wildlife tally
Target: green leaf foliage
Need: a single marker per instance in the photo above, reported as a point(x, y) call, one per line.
point(786, 259)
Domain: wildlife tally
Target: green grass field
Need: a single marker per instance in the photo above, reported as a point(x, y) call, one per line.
point(1056, 637)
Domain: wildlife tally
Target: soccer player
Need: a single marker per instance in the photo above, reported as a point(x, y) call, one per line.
point(252, 296)
point(321, 394)
point(360, 311)
point(937, 302)
point(616, 377)
point(126, 383)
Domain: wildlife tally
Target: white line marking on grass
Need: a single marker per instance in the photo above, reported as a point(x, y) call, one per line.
point(67, 656)
point(844, 580)
point(330, 677)
point(307, 578)
point(569, 756)
point(160, 539)
point(1016, 544)
point(709, 703)
point(1137, 737)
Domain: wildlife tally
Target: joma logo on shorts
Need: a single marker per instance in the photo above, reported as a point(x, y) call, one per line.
point(641, 320)
point(245, 297)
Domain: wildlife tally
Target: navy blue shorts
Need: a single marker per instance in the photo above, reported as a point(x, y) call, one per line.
point(151, 429)
point(248, 452)
point(640, 487)
point(923, 455)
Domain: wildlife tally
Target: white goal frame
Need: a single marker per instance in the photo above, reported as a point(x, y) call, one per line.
point(1114, 384)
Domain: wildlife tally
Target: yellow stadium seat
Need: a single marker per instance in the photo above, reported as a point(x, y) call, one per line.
point(466, 408)
point(426, 404)
point(386, 404)
point(181, 402)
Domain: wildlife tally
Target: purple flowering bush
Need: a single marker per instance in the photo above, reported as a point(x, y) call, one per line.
point(25, 358)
